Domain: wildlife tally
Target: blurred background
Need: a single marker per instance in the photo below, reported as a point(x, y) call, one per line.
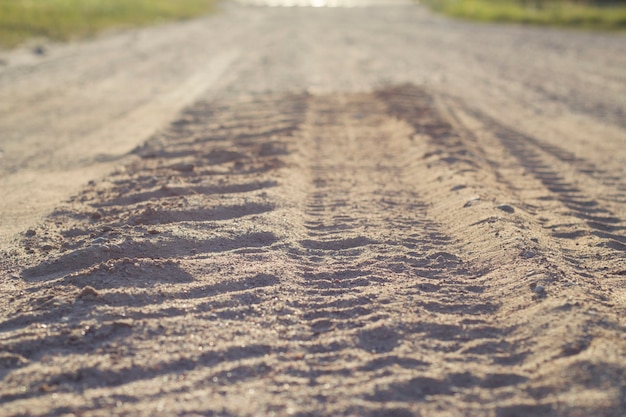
point(62, 20)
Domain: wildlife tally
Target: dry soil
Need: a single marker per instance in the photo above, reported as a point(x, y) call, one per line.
point(360, 212)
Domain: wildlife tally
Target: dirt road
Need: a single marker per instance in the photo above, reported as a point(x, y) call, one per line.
point(364, 211)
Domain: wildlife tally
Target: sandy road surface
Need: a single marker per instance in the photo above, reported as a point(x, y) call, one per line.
point(364, 211)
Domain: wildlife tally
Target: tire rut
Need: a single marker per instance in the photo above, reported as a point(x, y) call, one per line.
point(588, 196)
point(298, 250)
point(374, 269)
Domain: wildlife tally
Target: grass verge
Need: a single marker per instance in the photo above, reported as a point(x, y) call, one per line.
point(70, 19)
point(548, 12)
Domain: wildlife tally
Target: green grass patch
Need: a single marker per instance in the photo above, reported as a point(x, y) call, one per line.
point(604, 15)
point(63, 20)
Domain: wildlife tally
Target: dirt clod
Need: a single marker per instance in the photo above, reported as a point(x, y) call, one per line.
point(88, 293)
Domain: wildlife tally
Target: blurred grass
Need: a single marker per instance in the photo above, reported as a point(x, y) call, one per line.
point(603, 15)
point(70, 19)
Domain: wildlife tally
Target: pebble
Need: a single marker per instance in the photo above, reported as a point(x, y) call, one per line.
point(471, 201)
point(458, 187)
point(505, 207)
point(538, 289)
point(527, 254)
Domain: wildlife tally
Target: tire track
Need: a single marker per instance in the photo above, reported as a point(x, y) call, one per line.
point(466, 178)
point(588, 197)
point(294, 254)
point(550, 165)
point(149, 274)
point(374, 269)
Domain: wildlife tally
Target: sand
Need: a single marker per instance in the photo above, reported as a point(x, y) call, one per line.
point(331, 250)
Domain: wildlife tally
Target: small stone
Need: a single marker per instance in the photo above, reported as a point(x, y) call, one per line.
point(30, 233)
point(539, 290)
point(471, 201)
point(96, 215)
point(506, 208)
point(527, 254)
point(458, 187)
point(39, 50)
